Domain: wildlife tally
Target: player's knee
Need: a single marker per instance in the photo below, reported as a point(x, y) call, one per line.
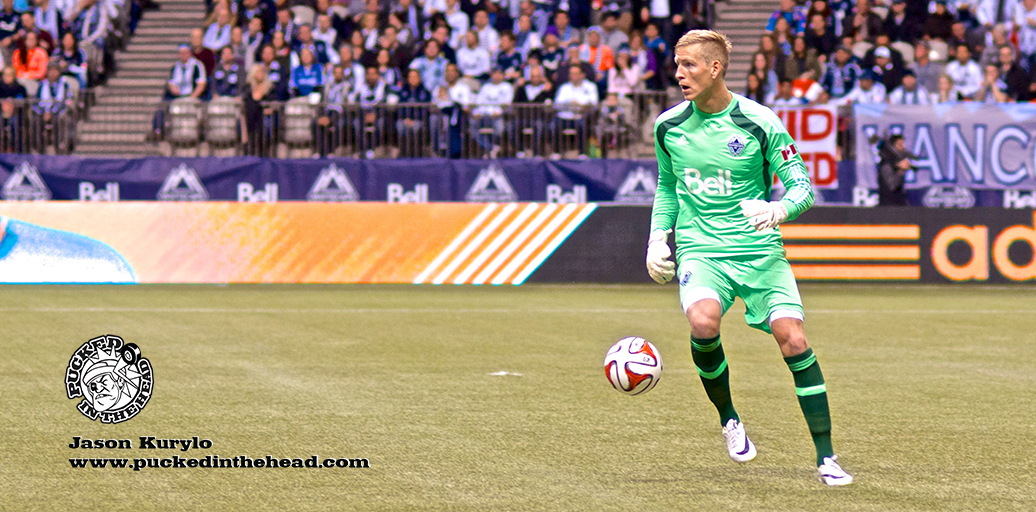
point(704, 323)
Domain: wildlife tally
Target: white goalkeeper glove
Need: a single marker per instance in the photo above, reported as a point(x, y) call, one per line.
point(658, 265)
point(764, 214)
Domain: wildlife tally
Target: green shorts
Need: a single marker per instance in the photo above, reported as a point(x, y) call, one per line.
point(765, 283)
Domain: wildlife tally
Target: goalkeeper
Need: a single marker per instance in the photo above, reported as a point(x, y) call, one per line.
point(717, 153)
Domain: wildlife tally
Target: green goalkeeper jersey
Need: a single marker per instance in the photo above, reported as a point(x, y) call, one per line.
point(709, 163)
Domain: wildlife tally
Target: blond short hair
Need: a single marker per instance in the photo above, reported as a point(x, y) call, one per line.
point(714, 46)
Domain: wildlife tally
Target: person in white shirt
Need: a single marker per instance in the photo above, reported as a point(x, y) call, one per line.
point(488, 37)
point(867, 90)
point(473, 60)
point(909, 92)
point(574, 101)
point(786, 95)
point(458, 21)
point(966, 75)
point(369, 125)
point(218, 34)
point(351, 69)
point(488, 113)
point(451, 98)
point(325, 32)
point(1025, 22)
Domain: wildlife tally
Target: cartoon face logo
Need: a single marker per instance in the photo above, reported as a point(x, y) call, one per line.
point(114, 381)
point(736, 145)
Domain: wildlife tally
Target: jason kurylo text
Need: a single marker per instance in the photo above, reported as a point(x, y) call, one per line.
point(146, 443)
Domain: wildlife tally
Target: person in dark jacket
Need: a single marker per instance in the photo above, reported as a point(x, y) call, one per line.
point(892, 167)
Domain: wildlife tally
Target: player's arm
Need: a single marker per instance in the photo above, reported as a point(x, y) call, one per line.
point(663, 216)
point(784, 159)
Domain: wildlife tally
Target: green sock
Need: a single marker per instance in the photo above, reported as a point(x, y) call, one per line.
point(712, 367)
point(809, 386)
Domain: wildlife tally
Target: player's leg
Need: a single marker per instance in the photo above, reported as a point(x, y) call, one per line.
point(705, 295)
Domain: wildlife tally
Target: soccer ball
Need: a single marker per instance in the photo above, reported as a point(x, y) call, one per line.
point(633, 365)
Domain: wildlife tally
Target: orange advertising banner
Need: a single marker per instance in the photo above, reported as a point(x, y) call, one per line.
point(288, 242)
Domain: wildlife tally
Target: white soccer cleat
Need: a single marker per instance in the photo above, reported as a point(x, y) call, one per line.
point(739, 446)
point(832, 474)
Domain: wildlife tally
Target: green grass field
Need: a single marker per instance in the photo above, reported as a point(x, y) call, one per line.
point(931, 388)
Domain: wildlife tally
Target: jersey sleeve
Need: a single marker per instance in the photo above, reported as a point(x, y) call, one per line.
point(663, 212)
point(785, 161)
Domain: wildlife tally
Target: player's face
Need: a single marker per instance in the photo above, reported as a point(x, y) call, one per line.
point(692, 73)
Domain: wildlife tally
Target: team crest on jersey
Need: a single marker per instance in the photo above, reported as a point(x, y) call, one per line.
point(685, 277)
point(736, 145)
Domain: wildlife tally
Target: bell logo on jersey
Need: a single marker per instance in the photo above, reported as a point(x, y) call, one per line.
point(719, 185)
point(789, 151)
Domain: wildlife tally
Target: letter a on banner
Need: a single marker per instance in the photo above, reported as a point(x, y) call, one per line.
point(491, 185)
point(333, 186)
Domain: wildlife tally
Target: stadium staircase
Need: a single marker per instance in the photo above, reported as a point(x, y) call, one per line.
point(743, 22)
point(120, 117)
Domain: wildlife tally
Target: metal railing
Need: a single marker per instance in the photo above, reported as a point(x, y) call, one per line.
point(26, 127)
point(299, 128)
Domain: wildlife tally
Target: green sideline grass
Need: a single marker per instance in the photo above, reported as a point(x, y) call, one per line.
point(931, 391)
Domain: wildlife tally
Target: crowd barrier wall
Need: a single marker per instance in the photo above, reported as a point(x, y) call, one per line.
point(473, 243)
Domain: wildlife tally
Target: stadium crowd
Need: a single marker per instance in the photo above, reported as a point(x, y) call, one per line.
point(463, 56)
point(915, 52)
point(49, 52)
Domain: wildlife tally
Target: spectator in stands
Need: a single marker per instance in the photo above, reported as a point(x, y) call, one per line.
point(369, 125)
point(431, 65)
point(237, 45)
point(30, 61)
point(790, 14)
point(909, 93)
point(308, 76)
point(1025, 21)
point(599, 56)
point(55, 109)
point(458, 21)
point(49, 18)
point(786, 95)
point(218, 34)
point(351, 70)
point(820, 38)
point(611, 36)
point(868, 90)
point(92, 25)
point(755, 90)
point(645, 61)
point(187, 78)
point(11, 113)
point(45, 40)
point(841, 74)
point(552, 54)
point(767, 77)
point(958, 36)
point(1013, 75)
point(566, 34)
point(441, 34)
point(400, 54)
point(946, 91)
point(276, 71)
point(991, 52)
point(72, 59)
point(862, 24)
point(411, 119)
point(325, 32)
point(253, 40)
point(473, 60)
point(488, 113)
point(775, 58)
point(286, 25)
point(927, 72)
point(256, 9)
point(573, 101)
point(537, 90)
point(388, 72)
point(229, 74)
point(655, 42)
point(526, 39)
point(782, 36)
point(993, 89)
point(488, 37)
point(624, 77)
point(538, 19)
point(508, 59)
point(939, 24)
point(10, 29)
point(822, 8)
point(322, 53)
point(452, 98)
point(966, 75)
point(900, 26)
point(259, 118)
point(280, 46)
point(885, 69)
point(329, 124)
point(803, 61)
point(200, 52)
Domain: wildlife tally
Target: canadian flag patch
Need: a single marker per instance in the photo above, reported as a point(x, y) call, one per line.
point(789, 151)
